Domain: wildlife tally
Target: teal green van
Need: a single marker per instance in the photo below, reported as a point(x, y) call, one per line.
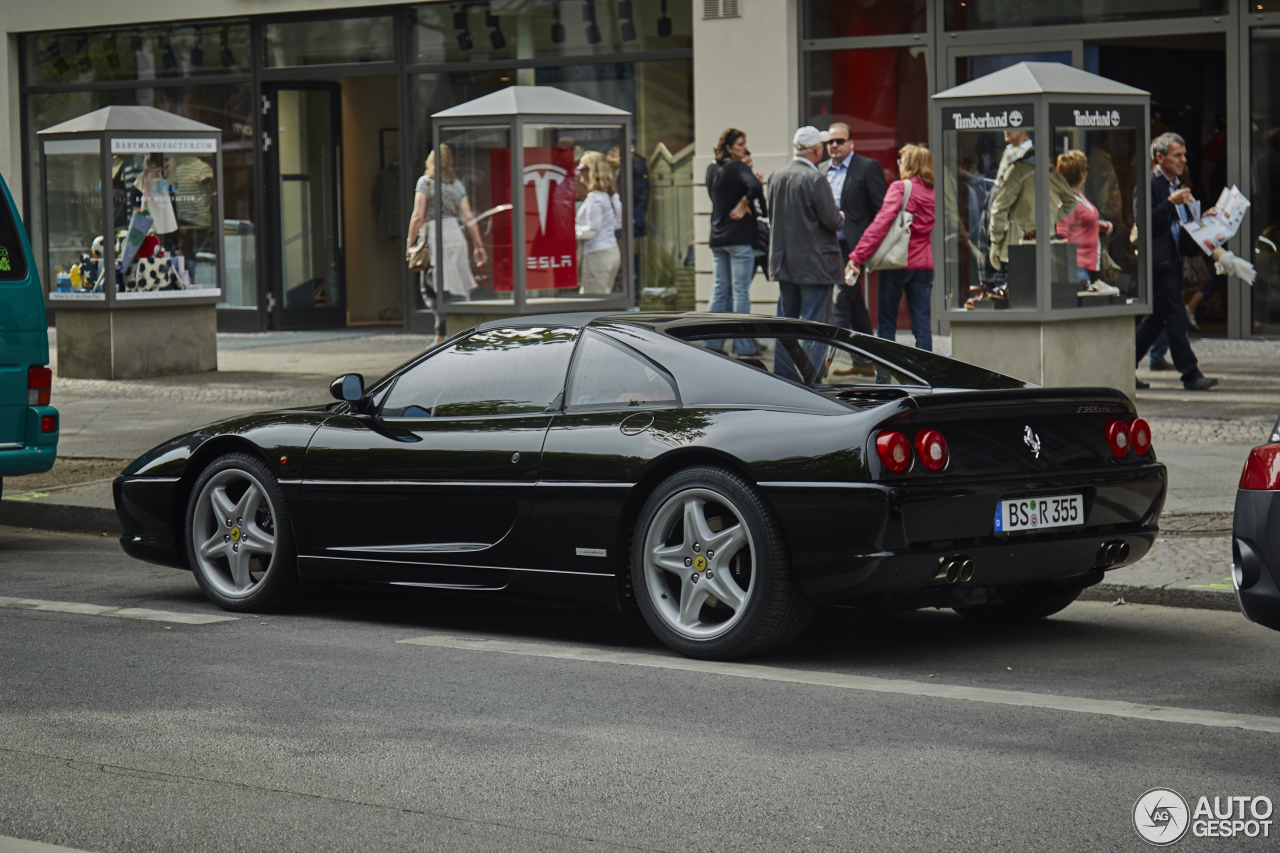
point(28, 424)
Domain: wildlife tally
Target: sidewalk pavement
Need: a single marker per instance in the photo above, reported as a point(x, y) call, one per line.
point(1203, 438)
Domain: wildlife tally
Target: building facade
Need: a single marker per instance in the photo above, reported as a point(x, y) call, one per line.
point(330, 101)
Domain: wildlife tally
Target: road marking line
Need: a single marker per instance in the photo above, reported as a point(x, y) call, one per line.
point(122, 612)
point(20, 845)
point(994, 696)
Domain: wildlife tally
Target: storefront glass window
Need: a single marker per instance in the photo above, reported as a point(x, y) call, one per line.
point(842, 19)
point(1264, 175)
point(479, 30)
point(229, 107)
point(74, 211)
point(68, 57)
point(335, 41)
point(988, 214)
point(993, 14)
point(470, 191)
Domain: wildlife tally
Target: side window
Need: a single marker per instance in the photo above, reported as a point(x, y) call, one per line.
point(495, 372)
point(13, 264)
point(606, 373)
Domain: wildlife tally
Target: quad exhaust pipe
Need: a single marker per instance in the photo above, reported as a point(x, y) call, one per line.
point(1112, 552)
point(956, 569)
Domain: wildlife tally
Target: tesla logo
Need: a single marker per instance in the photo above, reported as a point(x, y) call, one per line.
point(542, 176)
point(1030, 439)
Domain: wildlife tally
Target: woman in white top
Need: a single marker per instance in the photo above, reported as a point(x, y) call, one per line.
point(598, 218)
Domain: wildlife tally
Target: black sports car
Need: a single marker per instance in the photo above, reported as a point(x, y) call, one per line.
point(622, 460)
point(1255, 535)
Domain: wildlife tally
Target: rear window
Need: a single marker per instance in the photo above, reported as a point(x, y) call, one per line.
point(816, 362)
point(13, 264)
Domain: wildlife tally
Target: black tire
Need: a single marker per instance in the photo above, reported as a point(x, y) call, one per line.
point(770, 612)
point(1024, 607)
point(260, 579)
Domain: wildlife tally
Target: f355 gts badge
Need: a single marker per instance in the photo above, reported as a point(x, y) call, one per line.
point(1030, 439)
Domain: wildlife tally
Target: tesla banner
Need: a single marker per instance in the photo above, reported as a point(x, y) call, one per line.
point(551, 246)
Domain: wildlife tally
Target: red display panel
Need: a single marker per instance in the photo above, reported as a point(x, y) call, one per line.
point(551, 246)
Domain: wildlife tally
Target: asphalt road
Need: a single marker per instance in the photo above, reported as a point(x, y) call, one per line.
point(376, 721)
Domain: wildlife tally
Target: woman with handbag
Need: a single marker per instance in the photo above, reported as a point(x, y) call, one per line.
point(598, 221)
point(420, 246)
point(898, 244)
point(737, 205)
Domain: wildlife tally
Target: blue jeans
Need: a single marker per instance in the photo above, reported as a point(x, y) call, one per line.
point(918, 286)
point(1160, 349)
point(806, 301)
point(734, 268)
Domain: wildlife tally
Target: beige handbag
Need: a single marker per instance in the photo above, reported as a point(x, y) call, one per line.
point(892, 252)
point(420, 253)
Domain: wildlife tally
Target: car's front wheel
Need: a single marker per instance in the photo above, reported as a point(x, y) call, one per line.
point(710, 569)
point(239, 538)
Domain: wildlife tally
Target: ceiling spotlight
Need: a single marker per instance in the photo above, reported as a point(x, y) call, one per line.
point(496, 38)
point(664, 23)
point(589, 16)
point(626, 22)
point(224, 55)
point(557, 29)
point(197, 52)
point(460, 23)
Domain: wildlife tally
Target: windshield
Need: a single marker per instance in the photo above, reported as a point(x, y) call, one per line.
point(816, 362)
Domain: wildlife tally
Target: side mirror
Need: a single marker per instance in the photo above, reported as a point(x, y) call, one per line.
point(348, 387)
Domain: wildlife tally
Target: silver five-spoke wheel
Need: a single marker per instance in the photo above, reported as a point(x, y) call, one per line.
point(239, 541)
point(699, 557)
point(234, 533)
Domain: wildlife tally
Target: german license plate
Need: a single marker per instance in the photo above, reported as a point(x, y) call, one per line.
point(1024, 514)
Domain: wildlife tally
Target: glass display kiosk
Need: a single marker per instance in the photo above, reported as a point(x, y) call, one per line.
point(1043, 236)
point(134, 242)
point(529, 208)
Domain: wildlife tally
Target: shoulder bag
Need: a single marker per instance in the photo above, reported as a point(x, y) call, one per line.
point(892, 252)
point(420, 253)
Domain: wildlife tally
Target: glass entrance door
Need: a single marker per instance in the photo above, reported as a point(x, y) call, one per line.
point(304, 159)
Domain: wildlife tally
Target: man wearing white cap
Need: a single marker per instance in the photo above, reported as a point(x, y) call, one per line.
point(804, 251)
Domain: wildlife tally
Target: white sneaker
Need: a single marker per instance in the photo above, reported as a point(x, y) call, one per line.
point(1191, 318)
point(1100, 288)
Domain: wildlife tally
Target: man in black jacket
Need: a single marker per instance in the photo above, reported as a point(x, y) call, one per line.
point(858, 187)
point(1169, 200)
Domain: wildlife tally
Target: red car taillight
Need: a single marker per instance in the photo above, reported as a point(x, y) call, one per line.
point(931, 447)
point(1118, 438)
point(39, 386)
point(1262, 470)
point(1140, 435)
point(894, 450)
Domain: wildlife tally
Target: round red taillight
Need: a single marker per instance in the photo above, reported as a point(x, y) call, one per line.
point(931, 447)
point(1118, 438)
point(894, 450)
point(1140, 436)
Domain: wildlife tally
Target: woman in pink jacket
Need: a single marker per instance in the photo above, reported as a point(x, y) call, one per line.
point(1082, 226)
point(915, 164)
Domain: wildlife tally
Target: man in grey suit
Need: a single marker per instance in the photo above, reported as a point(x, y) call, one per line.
point(858, 186)
point(804, 252)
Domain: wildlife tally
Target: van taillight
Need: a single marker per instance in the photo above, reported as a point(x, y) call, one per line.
point(39, 386)
point(1262, 469)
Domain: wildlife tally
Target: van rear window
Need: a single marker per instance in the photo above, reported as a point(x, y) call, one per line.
point(13, 264)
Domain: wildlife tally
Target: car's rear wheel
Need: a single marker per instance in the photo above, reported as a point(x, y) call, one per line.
point(710, 569)
point(1021, 607)
point(239, 538)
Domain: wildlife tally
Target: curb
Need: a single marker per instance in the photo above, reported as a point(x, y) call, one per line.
point(60, 517)
point(1165, 596)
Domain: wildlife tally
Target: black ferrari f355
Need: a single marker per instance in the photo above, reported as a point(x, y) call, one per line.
point(625, 461)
